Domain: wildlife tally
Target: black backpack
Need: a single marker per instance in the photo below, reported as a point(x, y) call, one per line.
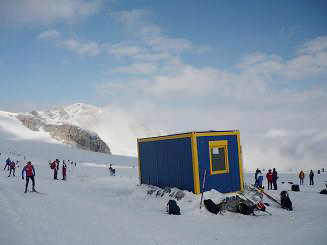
point(211, 206)
point(285, 201)
point(295, 188)
point(323, 192)
point(245, 209)
point(172, 208)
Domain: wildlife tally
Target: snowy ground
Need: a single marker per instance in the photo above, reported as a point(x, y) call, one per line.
point(93, 208)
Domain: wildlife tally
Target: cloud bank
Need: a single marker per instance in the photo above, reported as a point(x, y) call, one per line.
point(278, 103)
point(45, 12)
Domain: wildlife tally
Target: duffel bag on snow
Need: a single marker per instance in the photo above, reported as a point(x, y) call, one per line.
point(295, 188)
point(172, 208)
point(244, 209)
point(211, 206)
point(323, 192)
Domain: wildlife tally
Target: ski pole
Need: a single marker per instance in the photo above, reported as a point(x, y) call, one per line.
point(203, 181)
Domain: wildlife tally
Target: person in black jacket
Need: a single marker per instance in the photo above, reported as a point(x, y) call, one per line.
point(274, 178)
point(311, 177)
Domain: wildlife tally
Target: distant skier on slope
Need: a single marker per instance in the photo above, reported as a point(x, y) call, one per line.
point(64, 170)
point(55, 166)
point(8, 161)
point(12, 168)
point(112, 170)
point(30, 173)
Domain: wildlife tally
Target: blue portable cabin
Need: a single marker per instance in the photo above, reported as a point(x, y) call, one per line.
point(180, 160)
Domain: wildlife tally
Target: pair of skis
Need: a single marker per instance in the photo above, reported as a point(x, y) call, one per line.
point(267, 195)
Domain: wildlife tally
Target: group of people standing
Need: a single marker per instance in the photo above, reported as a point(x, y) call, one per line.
point(55, 166)
point(302, 175)
point(29, 172)
point(271, 177)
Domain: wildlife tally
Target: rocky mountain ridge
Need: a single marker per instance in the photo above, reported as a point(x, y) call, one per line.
point(59, 123)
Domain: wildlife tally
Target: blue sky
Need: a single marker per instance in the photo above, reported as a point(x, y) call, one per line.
point(216, 34)
point(258, 66)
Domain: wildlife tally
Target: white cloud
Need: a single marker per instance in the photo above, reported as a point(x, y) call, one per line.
point(43, 12)
point(313, 46)
point(310, 61)
point(279, 125)
point(50, 35)
point(138, 68)
point(90, 48)
point(122, 50)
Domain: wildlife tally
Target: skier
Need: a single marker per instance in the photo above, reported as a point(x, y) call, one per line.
point(311, 177)
point(274, 178)
point(259, 180)
point(256, 175)
point(8, 161)
point(64, 168)
point(112, 170)
point(269, 179)
point(54, 166)
point(12, 168)
point(301, 176)
point(30, 173)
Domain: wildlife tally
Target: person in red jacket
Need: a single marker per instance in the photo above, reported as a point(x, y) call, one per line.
point(269, 177)
point(30, 173)
point(64, 170)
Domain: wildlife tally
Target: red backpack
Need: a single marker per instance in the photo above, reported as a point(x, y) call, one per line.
point(53, 165)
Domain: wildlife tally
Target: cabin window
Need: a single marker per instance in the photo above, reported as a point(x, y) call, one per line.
point(218, 152)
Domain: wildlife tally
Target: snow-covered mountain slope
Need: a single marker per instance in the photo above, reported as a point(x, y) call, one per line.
point(12, 129)
point(116, 128)
point(79, 114)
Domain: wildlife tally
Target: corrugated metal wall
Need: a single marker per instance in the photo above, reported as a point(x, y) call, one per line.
point(167, 163)
point(228, 182)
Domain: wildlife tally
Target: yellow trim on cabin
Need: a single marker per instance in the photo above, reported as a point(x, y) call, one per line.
point(195, 163)
point(240, 160)
point(139, 162)
point(169, 137)
point(217, 133)
point(219, 144)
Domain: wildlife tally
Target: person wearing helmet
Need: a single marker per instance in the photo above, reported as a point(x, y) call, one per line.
point(30, 173)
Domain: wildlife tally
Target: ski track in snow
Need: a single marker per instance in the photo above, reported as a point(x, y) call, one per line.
point(92, 207)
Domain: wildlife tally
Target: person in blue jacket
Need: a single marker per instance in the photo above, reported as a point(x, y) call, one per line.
point(8, 161)
point(30, 173)
point(259, 180)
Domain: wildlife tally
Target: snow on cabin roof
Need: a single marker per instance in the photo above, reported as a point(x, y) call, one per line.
point(190, 132)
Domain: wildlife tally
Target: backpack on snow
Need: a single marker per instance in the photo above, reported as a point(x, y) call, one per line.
point(285, 201)
point(295, 188)
point(323, 192)
point(211, 206)
point(172, 208)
